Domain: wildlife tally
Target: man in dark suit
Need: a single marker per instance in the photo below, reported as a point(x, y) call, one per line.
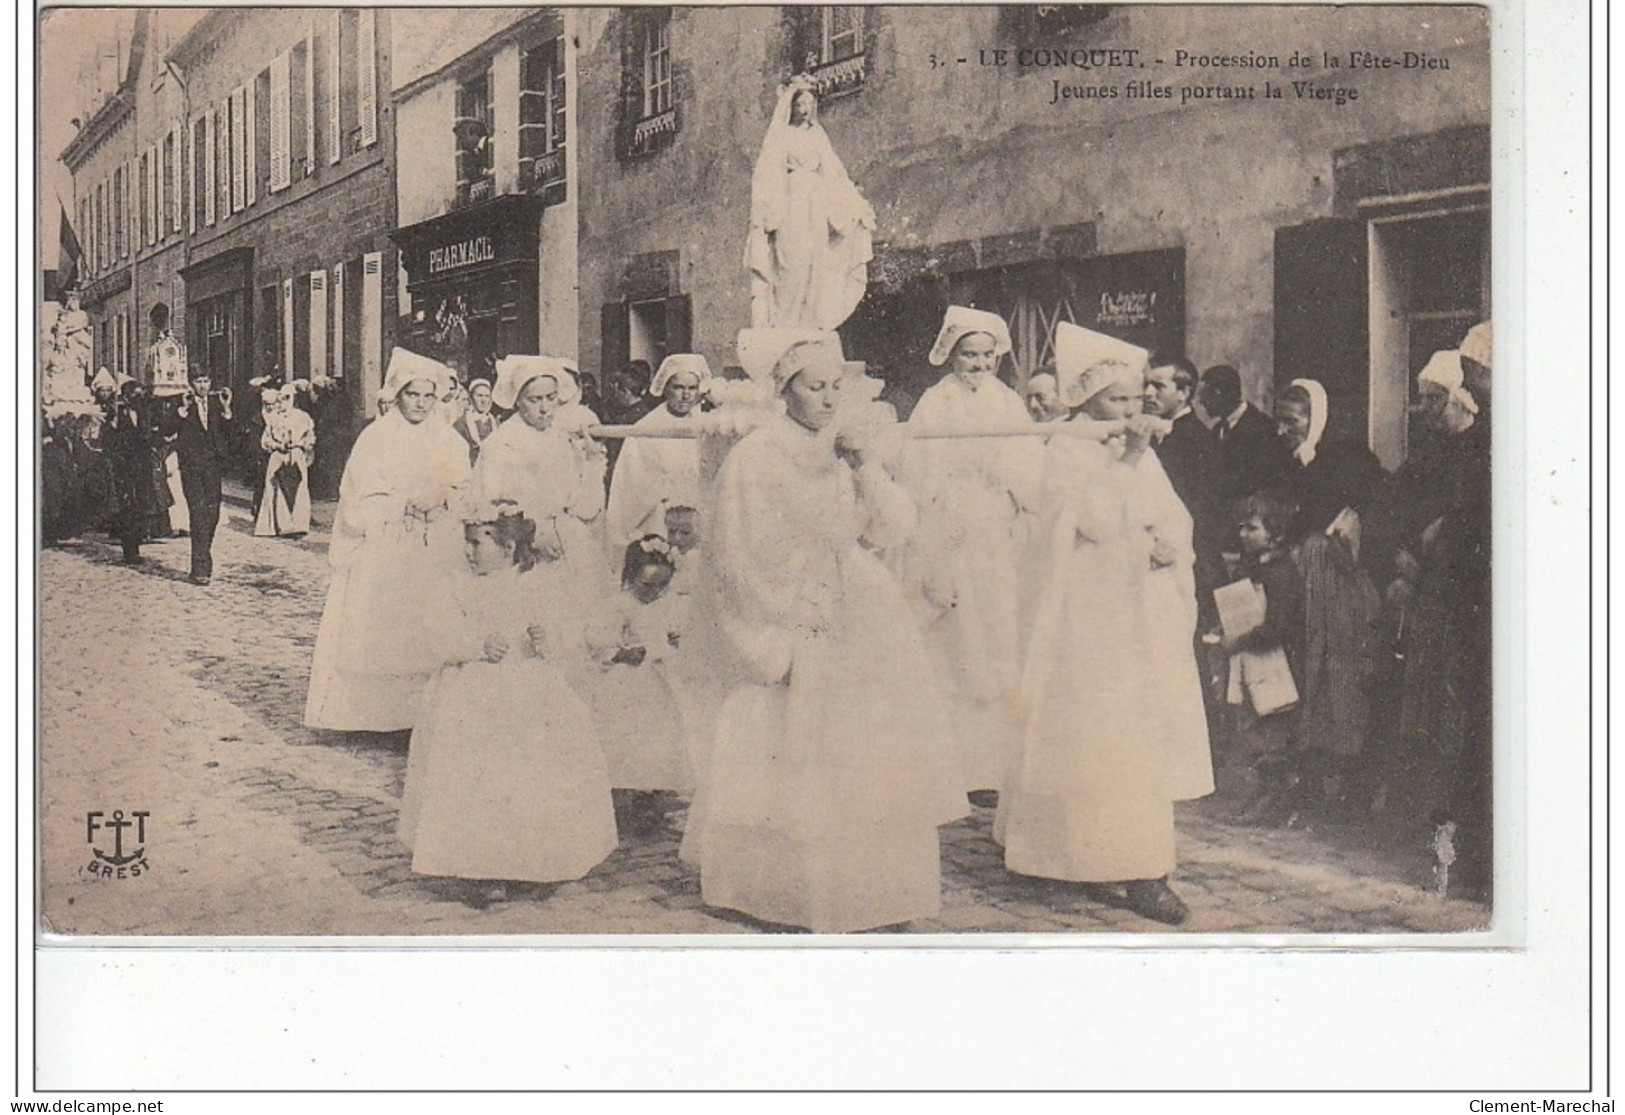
point(201, 426)
point(1190, 457)
point(1250, 454)
point(1188, 452)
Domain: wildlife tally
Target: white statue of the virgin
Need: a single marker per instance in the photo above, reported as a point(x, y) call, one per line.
point(810, 229)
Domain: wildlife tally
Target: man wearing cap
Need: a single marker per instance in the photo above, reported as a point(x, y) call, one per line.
point(201, 427)
point(973, 494)
point(655, 473)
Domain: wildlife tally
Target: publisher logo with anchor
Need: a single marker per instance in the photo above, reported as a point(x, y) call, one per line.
point(128, 857)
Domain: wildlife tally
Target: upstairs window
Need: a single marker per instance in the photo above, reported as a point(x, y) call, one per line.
point(541, 119)
point(472, 132)
point(830, 45)
point(121, 247)
point(657, 67)
point(649, 102)
point(146, 204)
point(841, 34)
point(1061, 24)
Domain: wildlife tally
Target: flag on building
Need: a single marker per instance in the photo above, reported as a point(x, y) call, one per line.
point(70, 257)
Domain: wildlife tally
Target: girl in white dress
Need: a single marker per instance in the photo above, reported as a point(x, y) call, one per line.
point(542, 459)
point(1090, 796)
point(634, 642)
point(833, 764)
point(653, 474)
point(395, 541)
point(505, 779)
point(976, 497)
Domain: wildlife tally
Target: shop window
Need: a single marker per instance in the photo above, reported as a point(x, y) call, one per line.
point(472, 131)
point(541, 120)
point(649, 109)
point(830, 45)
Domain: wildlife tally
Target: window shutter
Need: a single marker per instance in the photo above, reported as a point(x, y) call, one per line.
point(251, 162)
point(367, 64)
point(280, 123)
point(310, 100)
point(616, 338)
point(557, 79)
point(338, 321)
point(318, 323)
point(191, 176)
point(238, 136)
point(154, 206)
point(335, 135)
point(1321, 330)
point(211, 165)
point(372, 328)
point(177, 173)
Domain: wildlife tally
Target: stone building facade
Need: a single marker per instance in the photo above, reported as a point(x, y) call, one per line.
point(486, 192)
point(1290, 236)
point(263, 156)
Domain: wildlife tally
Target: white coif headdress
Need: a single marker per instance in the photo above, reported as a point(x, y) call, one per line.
point(406, 367)
point(676, 363)
point(514, 372)
point(762, 352)
point(1443, 369)
point(960, 320)
point(1087, 362)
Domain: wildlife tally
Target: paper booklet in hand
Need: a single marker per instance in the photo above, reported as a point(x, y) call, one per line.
point(1241, 607)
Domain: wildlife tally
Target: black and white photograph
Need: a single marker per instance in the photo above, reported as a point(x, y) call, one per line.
point(799, 470)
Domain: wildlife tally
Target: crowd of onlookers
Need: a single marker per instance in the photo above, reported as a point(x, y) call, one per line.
point(1376, 592)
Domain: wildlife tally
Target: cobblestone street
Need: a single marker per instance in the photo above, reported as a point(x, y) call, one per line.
point(186, 703)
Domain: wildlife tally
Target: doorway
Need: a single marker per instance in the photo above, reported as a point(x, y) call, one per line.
point(1430, 284)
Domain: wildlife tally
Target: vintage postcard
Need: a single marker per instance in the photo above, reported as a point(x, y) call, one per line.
point(716, 472)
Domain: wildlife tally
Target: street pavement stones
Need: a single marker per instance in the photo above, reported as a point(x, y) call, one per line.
point(186, 702)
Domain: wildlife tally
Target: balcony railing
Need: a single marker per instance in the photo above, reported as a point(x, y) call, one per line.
point(648, 130)
point(844, 76)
